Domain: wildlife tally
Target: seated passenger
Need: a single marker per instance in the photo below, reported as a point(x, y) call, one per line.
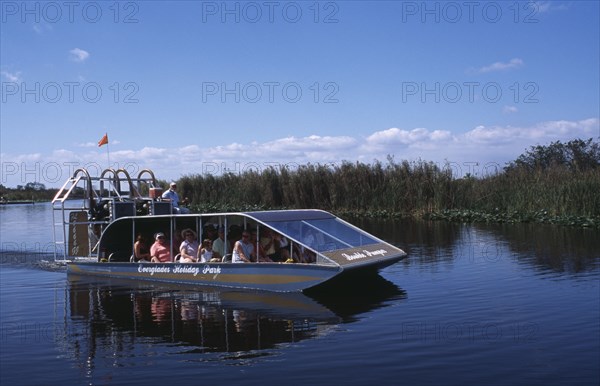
point(233, 235)
point(210, 232)
point(310, 238)
point(219, 244)
point(189, 247)
point(207, 254)
point(141, 252)
point(269, 244)
point(258, 249)
point(242, 249)
point(160, 250)
point(284, 246)
point(171, 195)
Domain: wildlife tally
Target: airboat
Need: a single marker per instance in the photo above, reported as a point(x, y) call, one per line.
point(97, 220)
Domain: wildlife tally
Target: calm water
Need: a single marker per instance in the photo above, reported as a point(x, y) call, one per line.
point(471, 305)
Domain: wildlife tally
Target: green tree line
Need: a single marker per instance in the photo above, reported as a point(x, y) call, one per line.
point(559, 182)
point(32, 191)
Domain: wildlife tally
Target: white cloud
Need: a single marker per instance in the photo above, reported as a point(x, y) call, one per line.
point(500, 66)
point(440, 135)
point(510, 109)
point(540, 133)
point(78, 55)
point(482, 145)
point(311, 143)
point(189, 149)
point(288, 147)
point(547, 6)
point(87, 144)
point(64, 153)
point(394, 138)
point(41, 28)
point(12, 76)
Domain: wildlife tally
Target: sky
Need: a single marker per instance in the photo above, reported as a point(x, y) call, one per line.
point(208, 87)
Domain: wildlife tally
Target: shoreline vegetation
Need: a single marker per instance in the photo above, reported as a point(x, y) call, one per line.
point(32, 192)
point(557, 183)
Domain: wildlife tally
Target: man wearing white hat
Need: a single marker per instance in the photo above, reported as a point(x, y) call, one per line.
point(172, 196)
point(160, 250)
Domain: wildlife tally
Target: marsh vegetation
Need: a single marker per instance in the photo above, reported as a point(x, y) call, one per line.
point(557, 183)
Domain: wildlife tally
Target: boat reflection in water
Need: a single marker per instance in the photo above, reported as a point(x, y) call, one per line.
point(119, 319)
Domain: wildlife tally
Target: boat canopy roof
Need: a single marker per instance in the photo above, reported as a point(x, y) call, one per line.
point(316, 229)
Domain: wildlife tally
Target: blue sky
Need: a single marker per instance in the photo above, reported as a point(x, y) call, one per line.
point(186, 87)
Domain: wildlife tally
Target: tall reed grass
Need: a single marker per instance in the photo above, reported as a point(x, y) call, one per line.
point(403, 189)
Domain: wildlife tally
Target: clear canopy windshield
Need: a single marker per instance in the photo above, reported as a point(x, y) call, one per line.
point(323, 235)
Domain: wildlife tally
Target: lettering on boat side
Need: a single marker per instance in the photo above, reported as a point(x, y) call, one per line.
point(364, 253)
point(186, 269)
point(211, 270)
point(152, 270)
point(180, 269)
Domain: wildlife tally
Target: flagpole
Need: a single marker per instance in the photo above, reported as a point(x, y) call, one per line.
point(107, 155)
point(104, 141)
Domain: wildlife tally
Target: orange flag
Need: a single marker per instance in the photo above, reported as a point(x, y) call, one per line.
point(103, 141)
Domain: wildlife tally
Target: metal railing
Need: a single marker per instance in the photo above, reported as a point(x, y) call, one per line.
point(84, 205)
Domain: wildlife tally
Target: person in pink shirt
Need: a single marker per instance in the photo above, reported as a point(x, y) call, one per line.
point(160, 251)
